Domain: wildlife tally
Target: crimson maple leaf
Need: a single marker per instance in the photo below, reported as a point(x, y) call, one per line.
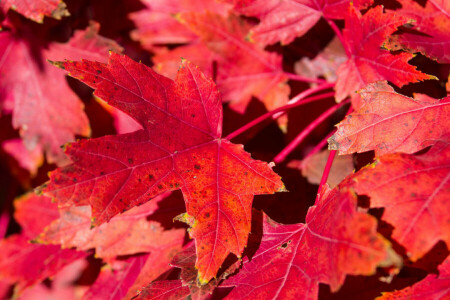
point(36, 9)
point(285, 20)
point(291, 260)
point(368, 63)
point(434, 21)
point(390, 122)
point(414, 191)
point(180, 147)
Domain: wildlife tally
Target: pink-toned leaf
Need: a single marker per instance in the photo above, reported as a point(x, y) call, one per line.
point(45, 109)
point(283, 21)
point(36, 9)
point(125, 234)
point(368, 63)
point(114, 281)
point(179, 148)
point(414, 191)
point(433, 287)
point(389, 122)
point(61, 287)
point(29, 160)
point(27, 264)
point(292, 260)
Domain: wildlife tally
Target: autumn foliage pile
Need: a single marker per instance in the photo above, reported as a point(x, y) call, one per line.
point(166, 149)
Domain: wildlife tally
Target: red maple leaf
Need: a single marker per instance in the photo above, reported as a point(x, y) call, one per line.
point(390, 122)
point(36, 9)
point(291, 260)
point(414, 191)
point(365, 36)
point(179, 148)
point(283, 21)
point(434, 21)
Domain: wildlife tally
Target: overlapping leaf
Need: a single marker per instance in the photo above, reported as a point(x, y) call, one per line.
point(433, 20)
point(365, 36)
point(390, 122)
point(165, 289)
point(114, 281)
point(291, 260)
point(27, 264)
point(414, 191)
point(432, 287)
point(36, 9)
point(244, 70)
point(129, 233)
point(156, 24)
point(179, 148)
point(26, 208)
point(33, 90)
point(282, 21)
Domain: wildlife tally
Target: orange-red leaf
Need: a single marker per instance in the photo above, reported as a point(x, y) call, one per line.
point(368, 63)
point(179, 148)
point(389, 122)
point(414, 191)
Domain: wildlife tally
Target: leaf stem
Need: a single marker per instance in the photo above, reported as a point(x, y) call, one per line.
point(326, 172)
point(296, 77)
point(4, 222)
point(280, 111)
point(302, 135)
point(338, 33)
point(305, 94)
point(320, 145)
point(330, 159)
